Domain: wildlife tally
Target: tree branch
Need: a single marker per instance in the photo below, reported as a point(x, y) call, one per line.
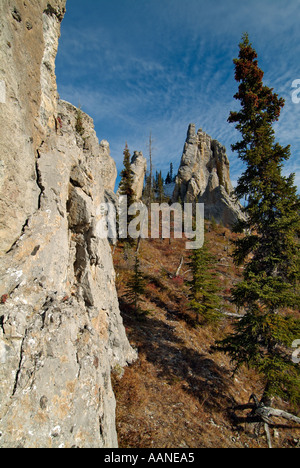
point(282, 414)
point(179, 268)
point(267, 431)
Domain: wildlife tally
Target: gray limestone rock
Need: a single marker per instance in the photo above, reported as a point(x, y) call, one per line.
point(61, 331)
point(204, 176)
point(138, 168)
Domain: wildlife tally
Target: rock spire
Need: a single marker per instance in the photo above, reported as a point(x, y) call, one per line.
point(204, 176)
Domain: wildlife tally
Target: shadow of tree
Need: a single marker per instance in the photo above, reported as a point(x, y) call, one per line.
point(176, 362)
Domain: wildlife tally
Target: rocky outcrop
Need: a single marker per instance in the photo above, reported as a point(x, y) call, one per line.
point(204, 176)
point(138, 168)
point(61, 332)
point(108, 166)
point(29, 44)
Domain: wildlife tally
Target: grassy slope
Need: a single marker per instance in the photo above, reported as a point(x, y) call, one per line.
point(179, 393)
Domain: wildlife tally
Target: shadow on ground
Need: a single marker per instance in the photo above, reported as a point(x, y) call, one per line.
point(177, 362)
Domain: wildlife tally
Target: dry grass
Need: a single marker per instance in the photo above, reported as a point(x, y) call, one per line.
point(179, 394)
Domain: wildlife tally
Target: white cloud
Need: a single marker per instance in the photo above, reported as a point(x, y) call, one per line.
point(164, 64)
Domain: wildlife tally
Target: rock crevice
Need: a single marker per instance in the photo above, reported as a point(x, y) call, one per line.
point(61, 330)
point(204, 177)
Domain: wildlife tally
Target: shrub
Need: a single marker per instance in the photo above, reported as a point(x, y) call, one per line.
point(79, 123)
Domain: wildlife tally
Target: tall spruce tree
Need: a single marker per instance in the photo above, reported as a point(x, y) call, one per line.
point(269, 292)
point(168, 179)
point(125, 189)
point(126, 184)
point(160, 188)
point(204, 287)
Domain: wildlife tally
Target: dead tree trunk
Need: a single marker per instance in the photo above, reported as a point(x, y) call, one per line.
point(264, 415)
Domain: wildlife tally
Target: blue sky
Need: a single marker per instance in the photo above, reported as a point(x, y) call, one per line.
point(141, 66)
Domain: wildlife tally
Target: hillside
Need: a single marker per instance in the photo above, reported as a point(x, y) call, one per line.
point(181, 394)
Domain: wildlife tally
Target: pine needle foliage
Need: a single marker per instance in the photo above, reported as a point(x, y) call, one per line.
point(136, 288)
point(79, 127)
point(160, 188)
point(204, 287)
point(269, 292)
point(126, 189)
point(126, 184)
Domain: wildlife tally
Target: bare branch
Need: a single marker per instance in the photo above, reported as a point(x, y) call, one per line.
point(282, 414)
point(231, 314)
point(179, 268)
point(267, 431)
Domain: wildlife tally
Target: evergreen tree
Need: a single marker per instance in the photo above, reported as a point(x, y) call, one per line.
point(148, 191)
point(135, 288)
point(155, 182)
point(171, 172)
point(204, 287)
point(270, 248)
point(160, 188)
point(125, 187)
point(170, 178)
point(79, 122)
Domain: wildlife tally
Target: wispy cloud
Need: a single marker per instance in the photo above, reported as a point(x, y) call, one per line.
point(158, 66)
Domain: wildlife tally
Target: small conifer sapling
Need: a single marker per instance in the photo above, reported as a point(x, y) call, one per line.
point(204, 287)
point(136, 288)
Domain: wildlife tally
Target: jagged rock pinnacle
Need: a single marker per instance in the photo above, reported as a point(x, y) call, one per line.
point(204, 176)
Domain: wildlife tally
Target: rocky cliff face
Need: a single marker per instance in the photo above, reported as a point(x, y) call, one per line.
point(204, 176)
point(60, 327)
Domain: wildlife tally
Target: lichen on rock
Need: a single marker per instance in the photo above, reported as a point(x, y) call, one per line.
point(61, 331)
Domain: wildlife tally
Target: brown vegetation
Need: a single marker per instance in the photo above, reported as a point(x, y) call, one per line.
point(181, 394)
